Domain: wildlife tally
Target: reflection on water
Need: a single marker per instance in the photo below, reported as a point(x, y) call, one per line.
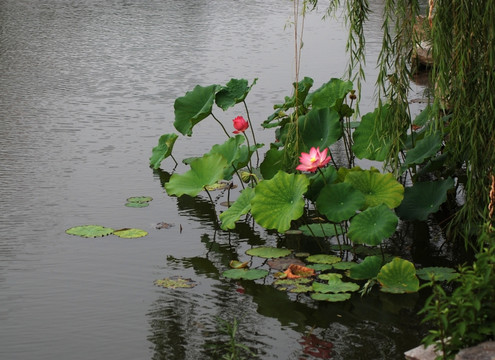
point(86, 89)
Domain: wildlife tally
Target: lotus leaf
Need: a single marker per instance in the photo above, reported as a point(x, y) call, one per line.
point(272, 163)
point(130, 233)
point(377, 188)
point(321, 230)
point(175, 283)
point(240, 207)
point(284, 263)
point(295, 271)
point(423, 199)
point(320, 128)
point(231, 151)
point(339, 202)
point(398, 277)
point(235, 264)
point(291, 282)
point(323, 259)
point(331, 297)
point(301, 289)
point(437, 273)
point(268, 252)
point(373, 225)
point(195, 106)
point(279, 200)
point(90, 231)
point(163, 150)
point(140, 199)
point(335, 286)
point(233, 93)
point(367, 269)
point(317, 182)
point(204, 171)
point(321, 267)
point(329, 94)
point(368, 144)
point(246, 274)
point(330, 277)
point(425, 148)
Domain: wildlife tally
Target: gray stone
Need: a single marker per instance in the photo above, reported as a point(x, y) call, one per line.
point(483, 351)
point(421, 353)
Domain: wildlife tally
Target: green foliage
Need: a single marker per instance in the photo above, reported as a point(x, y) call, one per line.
point(465, 316)
point(90, 231)
point(339, 202)
point(268, 252)
point(241, 207)
point(398, 277)
point(373, 225)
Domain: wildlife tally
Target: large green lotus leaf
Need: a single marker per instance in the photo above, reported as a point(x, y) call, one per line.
point(272, 163)
point(367, 142)
point(339, 202)
point(398, 277)
point(377, 188)
point(331, 297)
point(367, 269)
point(321, 230)
point(424, 149)
point(246, 274)
point(320, 128)
point(279, 200)
point(437, 273)
point(245, 154)
point(204, 171)
point(195, 106)
point(232, 151)
point(233, 93)
point(130, 233)
point(323, 259)
point(329, 94)
point(240, 207)
point(316, 182)
point(268, 252)
point(424, 116)
point(335, 286)
point(423, 199)
point(373, 225)
point(90, 231)
point(162, 150)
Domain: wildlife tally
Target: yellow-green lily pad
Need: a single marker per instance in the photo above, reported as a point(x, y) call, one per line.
point(130, 233)
point(246, 274)
point(175, 283)
point(90, 231)
point(268, 252)
point(323, 259)
point(331, 297)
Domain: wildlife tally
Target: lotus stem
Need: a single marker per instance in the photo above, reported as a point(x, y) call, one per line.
point(223, 127)
point(252, 132)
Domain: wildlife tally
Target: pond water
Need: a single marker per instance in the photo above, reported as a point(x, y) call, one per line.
point(86, 89)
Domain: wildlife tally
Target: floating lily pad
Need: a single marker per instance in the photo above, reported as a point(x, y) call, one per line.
point(246, 274)
point(344, 265)
point(137, 204)
point(331, 297)
point(129, 233)
point(298, 271)
point(437, 273)
point(398, 277)
point(335, 286)
point(268, 252)
point(175, 283)
point(323, 259)
point(321, 267)
point(284, 263)
point(90, 231)
point(139, 199)
point(290, 282)
point(301, 289)
point(330, 276)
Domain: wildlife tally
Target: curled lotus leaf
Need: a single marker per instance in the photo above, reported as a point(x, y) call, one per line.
point(130, 233)
point(437, 273)
point(233, 93)
point(298, 271)
point(367, 269)
point(175, 283)
point(268, 252)
point(163, 150)
point(246, 274)
point(398, 277)
point(323, 259)
point(283, 263)
point(90, 231)
point(240, 207)
point(331, 297)
point(235, 264)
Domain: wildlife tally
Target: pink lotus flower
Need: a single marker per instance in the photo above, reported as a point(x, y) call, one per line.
point(240, 125)
point(314, 160)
